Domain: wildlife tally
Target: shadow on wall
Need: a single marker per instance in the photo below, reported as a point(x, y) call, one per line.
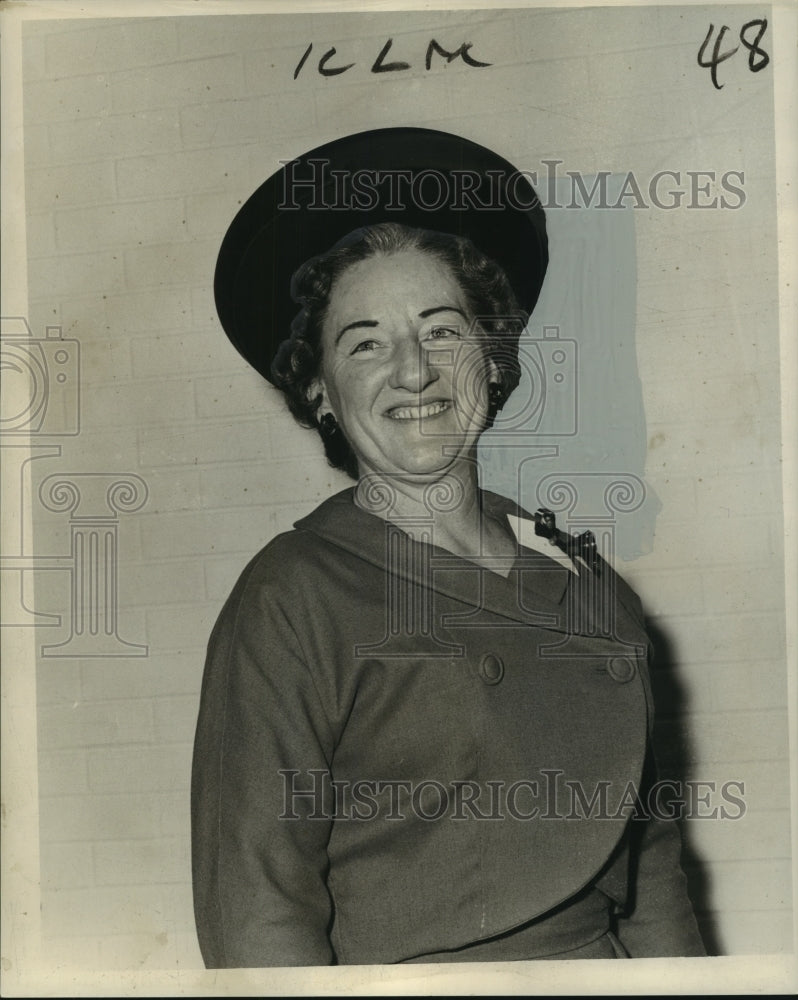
point(674, 751)
point(578, 411)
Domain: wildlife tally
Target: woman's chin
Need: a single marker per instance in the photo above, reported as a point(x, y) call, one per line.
point(421, 465)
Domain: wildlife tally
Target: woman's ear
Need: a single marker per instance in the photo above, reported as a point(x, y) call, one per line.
point(317, 392)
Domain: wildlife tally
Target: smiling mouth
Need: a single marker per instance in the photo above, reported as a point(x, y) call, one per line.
point(418, 412)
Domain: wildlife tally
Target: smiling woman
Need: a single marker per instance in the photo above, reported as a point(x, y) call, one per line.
point(419, 740)
point(389, 326)
point(393, 393)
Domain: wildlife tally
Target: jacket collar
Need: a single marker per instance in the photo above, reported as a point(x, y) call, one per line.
point(539, 587)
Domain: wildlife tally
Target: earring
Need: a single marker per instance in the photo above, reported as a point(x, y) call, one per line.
point(328, 425)
point(495, 397)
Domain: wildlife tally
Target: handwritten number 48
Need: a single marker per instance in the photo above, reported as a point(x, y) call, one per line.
point(718, 57)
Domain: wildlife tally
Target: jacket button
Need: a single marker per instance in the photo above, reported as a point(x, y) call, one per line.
point(491, 668)
point(621, 669)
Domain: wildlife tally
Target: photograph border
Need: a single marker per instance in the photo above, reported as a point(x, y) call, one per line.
point(24, 968)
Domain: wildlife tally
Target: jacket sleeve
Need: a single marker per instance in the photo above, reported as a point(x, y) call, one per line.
point(656, 914)
point(259, 854)
point(657, 919)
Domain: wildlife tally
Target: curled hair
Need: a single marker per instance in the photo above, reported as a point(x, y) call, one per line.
point(488, 293)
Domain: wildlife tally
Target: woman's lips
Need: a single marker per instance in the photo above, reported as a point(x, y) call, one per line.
point(418, 412)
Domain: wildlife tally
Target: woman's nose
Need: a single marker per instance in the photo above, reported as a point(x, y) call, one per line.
point(413, 367)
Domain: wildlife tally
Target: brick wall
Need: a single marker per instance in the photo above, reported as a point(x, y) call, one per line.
point(142, 138)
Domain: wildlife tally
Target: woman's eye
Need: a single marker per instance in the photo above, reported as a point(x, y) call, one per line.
point(441, 332)
point(364, 345)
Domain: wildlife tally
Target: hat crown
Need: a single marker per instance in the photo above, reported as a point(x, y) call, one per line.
point(422, 178)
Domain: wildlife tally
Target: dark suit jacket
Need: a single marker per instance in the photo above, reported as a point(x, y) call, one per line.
point(486, 736)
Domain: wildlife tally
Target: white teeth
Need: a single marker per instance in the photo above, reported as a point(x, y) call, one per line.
point(417, 412)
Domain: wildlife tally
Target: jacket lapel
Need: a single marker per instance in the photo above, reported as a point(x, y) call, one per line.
point(540, 590)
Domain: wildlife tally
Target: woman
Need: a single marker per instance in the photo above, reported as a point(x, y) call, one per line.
point(414, 743)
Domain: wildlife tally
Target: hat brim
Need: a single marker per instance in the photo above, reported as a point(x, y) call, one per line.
point(419, 177)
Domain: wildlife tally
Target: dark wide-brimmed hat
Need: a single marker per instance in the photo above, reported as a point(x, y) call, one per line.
point(415, 176)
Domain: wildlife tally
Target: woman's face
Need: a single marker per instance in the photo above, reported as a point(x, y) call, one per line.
point(403, 369)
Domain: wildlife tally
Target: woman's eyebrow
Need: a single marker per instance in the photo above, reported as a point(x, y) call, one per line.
point(358, 323)
point(424, 314)
point(437, 309)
